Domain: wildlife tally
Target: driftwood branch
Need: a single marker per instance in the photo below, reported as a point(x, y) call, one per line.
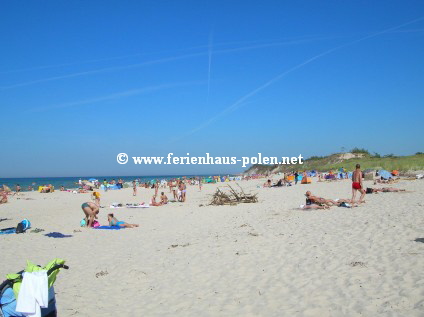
point(232, 197)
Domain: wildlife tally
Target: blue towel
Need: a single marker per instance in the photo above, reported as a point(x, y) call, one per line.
point(58, 235)
point(109, 227)
point(8, 231)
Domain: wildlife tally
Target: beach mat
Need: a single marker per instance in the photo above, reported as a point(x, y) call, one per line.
point(7, 230)
point(109, 227)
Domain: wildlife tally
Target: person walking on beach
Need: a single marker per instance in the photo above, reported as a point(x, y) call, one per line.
point(200, 183)
point(296, 177)
point(134, 188)
point(105, 184)
point(357, 184)
point(18, 189)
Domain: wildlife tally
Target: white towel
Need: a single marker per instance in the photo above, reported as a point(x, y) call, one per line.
point(33, 294)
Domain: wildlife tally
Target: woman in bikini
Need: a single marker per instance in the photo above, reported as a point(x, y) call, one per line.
point(90, 211)
point(115, 222)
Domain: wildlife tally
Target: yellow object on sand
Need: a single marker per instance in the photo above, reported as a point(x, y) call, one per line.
point(306, 180)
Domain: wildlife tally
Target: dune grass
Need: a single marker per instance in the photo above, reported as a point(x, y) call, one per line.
point(333, 162)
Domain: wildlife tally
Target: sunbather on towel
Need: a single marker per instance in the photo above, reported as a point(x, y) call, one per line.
point(384, 190)
point(115, 222)
point(384, 181)
point(90, 210)
point(319, 200)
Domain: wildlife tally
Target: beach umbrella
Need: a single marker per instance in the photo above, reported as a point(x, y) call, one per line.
point(92, 179)
point(385, 174)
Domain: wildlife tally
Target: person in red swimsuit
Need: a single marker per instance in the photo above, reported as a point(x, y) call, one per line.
point(357, 184)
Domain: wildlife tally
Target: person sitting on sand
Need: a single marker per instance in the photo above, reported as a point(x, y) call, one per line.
point(163, 198)
point(268, 183)
point(154, 203)
point(90, 211)
point(115, 222)
point(3, 198)
point(62, 188)
point(319, 200)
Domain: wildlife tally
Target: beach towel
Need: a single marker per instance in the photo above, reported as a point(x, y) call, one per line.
point(109, 227)
point(139, 206)
point(7, 230)
point(33, 293)
point(57, 235)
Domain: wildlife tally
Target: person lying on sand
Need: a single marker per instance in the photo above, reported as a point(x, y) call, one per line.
point(319, 200)
point(384, 190)
point(163, 198)
point(115, 222)
point(154, 203)
point(280, 183)
point(90, 211)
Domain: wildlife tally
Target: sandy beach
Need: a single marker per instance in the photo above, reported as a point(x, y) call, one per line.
point(260, 259)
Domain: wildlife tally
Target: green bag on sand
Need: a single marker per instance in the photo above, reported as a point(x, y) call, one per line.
point(31, 267)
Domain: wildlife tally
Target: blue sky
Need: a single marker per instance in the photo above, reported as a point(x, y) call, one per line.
point(81, 81)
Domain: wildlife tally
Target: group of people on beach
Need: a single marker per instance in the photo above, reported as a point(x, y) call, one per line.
point(91, 211)
point(314, 202)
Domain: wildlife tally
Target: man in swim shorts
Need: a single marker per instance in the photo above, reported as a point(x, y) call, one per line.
point(357, 184)
point(90, 210)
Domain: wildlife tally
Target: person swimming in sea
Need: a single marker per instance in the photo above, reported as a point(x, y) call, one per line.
point(115, 222)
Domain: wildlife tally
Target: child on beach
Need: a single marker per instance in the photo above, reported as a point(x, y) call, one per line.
point(115, 222)
point(96, 198)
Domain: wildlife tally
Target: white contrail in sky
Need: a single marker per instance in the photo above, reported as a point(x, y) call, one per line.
point(114, 96)
point(157, 61)
point(209, 62)
point(240, 102)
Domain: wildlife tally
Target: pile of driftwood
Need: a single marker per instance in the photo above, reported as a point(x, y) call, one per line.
point(232, 197)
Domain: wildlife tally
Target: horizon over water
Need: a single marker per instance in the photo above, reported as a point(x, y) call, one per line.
point(71, 182)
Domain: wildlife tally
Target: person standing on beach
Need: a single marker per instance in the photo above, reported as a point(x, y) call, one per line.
point(200, 183)
point(296, 177)
point(134, 188)
point(90, 210)
point(357, 184)
point(18, 189)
